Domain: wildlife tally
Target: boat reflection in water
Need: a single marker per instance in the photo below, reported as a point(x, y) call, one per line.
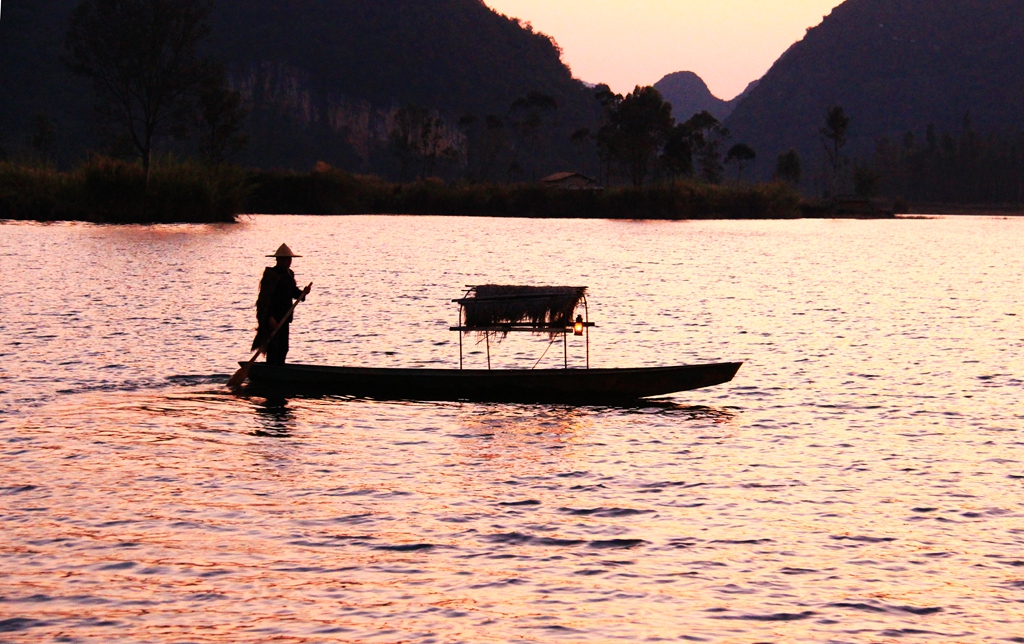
point(275, 418)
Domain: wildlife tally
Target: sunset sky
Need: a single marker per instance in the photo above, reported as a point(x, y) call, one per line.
point(635, 42)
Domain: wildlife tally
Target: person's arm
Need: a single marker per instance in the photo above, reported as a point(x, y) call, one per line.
point(297, 293)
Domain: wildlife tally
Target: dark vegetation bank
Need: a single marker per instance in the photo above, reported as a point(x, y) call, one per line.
point(111, 191)
point(330, 191)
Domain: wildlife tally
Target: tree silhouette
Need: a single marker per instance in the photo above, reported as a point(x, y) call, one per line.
point(527, 117)
point(44, 138)
point(141, 56)
point(579, 139)
point(220, 118)
point(788, 169)
point(865, 180)
point(945, 167)
point(677, 155)
point(419, 135)
point(494, 146)
point(742, 155)
point(636, 128)
point(833, 138)
point(468, 125)
point(434, 144)
point(708, 135)
point(605, 137)
point(405, 136)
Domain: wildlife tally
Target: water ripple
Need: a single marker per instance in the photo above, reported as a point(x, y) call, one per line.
point(858, 482)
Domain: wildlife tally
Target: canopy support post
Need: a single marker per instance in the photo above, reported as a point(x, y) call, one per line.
point(586, 328)
point(460, 338)
point(487, 334)
point(565, 348)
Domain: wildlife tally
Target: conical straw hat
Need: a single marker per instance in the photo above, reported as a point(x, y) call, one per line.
point(284, 251)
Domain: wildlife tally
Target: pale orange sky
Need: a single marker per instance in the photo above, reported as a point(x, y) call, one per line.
point(626, 43)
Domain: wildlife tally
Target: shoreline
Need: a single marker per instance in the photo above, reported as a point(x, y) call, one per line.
point(105, 190)
point(975, 210)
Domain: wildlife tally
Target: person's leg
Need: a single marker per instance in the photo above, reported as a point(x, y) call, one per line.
point(278, 349)
point(284, 341)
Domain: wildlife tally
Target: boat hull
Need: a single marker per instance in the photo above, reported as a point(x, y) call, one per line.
point(595, 386)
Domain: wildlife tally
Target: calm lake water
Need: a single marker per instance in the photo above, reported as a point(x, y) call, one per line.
point(860, 481)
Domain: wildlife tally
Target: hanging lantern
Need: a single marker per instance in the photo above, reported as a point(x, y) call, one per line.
point(577, 329)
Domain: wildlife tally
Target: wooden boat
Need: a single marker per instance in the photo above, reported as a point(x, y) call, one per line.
point(495, 311)
point(593, 386)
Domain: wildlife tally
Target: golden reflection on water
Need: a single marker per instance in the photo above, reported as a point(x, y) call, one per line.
point(859, 481)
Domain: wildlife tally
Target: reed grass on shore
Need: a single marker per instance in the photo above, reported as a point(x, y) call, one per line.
point(110, 191)
point(327, 191)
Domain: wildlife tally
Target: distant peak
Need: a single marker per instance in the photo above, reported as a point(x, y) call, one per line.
point(683, 82)
point(689, 95)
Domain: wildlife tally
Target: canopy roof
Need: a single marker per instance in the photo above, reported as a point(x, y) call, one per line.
point(539, 308)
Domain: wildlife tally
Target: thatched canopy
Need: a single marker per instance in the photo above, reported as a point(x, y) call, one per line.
point(544, 309)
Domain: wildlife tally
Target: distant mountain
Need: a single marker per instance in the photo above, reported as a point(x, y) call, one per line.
point(689, 95)
point(895, 66)
point(734, 103)
point(322, 77)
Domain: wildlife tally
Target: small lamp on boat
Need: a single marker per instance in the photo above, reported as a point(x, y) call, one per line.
point(577, 329)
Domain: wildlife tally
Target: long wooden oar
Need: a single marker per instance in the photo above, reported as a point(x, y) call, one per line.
point(243, 373)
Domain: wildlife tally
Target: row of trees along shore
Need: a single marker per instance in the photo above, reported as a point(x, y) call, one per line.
point(637, 142)
point(153, 88)
point(942, 170)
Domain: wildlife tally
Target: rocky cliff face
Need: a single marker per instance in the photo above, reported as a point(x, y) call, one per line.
point(895, 66)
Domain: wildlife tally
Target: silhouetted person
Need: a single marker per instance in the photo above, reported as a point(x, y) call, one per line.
point(278, 292)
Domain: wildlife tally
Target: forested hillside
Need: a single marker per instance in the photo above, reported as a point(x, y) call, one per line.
point(323, 79)
point(896, 66)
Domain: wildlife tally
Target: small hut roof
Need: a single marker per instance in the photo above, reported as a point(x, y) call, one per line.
point(545, 308)
point(559, 176)
point(566, 177)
